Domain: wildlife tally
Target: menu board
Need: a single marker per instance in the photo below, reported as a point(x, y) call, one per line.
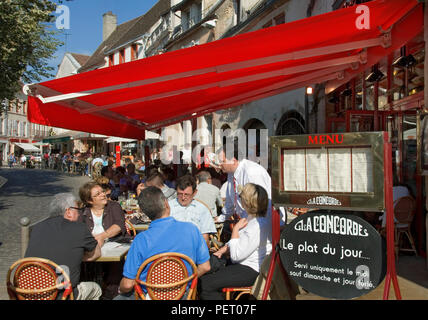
point(333, 255)
point(328, 170)
point(322, 171)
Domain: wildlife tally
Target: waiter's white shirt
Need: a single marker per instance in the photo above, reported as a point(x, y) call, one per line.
point(246, 172)
point(253, 244)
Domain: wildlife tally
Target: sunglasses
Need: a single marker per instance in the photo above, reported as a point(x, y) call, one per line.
point(75, 208)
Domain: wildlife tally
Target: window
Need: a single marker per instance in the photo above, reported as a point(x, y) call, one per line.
point(195, 13)
point(15, 128)
point(23, 127)
point(267, 24)
point(134, 52)
point(9, 127)
point(122, 56)
point(185, 15)
point(111, 60)
point(279, 19)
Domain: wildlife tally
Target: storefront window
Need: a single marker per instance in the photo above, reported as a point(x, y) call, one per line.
point(409, 151)
point(370, 94)
point(383, 89)
point(416, 73)
point(359, 94)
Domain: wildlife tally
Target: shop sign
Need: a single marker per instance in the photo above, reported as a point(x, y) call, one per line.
point(339, 256)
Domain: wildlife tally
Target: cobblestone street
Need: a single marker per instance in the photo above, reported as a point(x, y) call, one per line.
point(26, 194)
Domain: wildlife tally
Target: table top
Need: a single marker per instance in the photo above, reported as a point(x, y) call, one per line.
point(141, 226)
point(113, 251)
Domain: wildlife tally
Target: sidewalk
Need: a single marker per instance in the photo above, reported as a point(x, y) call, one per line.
point(412, 276)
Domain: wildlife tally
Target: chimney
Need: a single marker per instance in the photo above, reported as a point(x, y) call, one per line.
point(109, 24)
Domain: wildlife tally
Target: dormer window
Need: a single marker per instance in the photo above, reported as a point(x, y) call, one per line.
point(134, 52)
point(122, 56)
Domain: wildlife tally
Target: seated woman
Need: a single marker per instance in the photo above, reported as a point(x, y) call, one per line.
point(105, 220)
point(249, 244)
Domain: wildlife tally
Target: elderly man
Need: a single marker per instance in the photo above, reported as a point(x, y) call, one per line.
point(165, 234)
point(208, 193)
point(185, 208)
point(66, 242)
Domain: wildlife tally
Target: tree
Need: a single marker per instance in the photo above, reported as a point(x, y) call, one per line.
point(27, 42)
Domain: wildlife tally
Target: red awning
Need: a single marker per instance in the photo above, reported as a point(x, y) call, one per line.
point(126, 99)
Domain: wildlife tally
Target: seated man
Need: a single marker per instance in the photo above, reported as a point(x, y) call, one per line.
point(185, 208)
point(156, 179)
point(165, 234)
point(66, 242)
point(208, 193)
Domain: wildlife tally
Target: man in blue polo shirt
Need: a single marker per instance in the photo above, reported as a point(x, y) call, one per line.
point(165, 234)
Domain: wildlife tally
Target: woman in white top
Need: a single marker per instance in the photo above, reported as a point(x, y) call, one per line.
point(249, 244)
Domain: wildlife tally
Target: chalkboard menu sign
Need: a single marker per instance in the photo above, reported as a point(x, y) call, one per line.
point(333, 254)
point(343, 171)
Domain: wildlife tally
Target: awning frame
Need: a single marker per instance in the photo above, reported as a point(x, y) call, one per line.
point(384, 41)
point(161, 90)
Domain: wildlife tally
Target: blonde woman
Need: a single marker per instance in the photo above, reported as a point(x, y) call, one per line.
point(249, 244)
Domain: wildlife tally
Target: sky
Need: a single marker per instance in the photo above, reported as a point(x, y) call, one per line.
point(86, 23)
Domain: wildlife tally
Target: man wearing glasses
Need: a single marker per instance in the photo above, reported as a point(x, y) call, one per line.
point(186, 209)
point(67, 242)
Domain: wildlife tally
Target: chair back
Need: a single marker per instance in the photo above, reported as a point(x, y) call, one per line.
point(36, 279)
point(404, 210)
point(167, 277)
point(130, 228)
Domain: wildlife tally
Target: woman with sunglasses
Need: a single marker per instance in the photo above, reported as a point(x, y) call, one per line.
point(104, 218)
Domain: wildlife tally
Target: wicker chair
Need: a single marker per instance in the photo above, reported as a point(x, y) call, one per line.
point(130, 228)
point(241, 290)
point(167, 277)
point(404, 212)
point(36, 279)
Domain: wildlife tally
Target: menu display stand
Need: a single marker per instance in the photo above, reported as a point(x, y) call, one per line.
point(382, 158)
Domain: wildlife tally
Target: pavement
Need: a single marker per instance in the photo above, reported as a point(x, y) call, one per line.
point(23, 192)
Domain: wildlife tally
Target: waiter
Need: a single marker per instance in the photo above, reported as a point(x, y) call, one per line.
point(241, 171)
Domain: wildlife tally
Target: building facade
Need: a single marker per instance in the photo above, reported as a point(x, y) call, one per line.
point(16, 132)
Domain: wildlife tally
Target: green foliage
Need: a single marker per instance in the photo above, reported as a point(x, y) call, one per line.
point(27, 42)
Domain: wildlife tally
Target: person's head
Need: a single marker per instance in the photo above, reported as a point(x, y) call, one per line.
point(64, 205)
point(102, 180)
point(107, 172)
point(150, 170)
point(186, 189)
point(155, 180)
point(120, 171)
point(92, 195)
point(254, 199)
point(229, 160)
point(153, 203)
point(107, 187)
point(130, 168)
point(204, 176)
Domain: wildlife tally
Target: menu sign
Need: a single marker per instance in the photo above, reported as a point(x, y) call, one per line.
point(332, 255)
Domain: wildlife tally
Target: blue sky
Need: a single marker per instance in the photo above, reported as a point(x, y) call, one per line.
point(85, 33)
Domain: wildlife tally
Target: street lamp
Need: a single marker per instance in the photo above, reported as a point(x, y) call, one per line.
point(309, 91)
